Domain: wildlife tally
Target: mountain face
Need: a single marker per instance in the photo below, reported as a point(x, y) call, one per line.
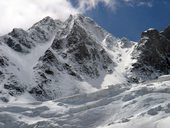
point(76, 56)
point(53, 59)
point(152, 54)
point(74, 74)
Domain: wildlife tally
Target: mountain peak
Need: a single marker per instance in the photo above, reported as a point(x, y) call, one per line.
point(81, 50)
point(151, 32)
point(45, 21)
point(152, 54)
point(77, 75)
point(166, 32)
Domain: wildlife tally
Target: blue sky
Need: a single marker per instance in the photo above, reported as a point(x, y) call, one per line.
point(130, 20)
point(122, 18)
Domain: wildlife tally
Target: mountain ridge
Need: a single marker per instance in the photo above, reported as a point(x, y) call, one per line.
point(65, 47)
point(25, 42)
point(74, 74)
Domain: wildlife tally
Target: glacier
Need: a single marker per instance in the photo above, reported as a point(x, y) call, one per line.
point(75, 74)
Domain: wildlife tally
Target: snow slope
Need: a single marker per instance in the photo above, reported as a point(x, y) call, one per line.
point(84, 59)
point(74, 74)
point(121, 106)
point(94, 61)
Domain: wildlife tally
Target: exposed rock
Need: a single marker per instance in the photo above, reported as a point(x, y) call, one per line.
point(77, 52)
point(166, 32)
point(14, 88)
point(78, 55)
point(3, 61)
point(152, 55)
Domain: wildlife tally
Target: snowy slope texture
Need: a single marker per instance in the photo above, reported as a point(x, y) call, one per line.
point(120, 106)
point(20, 51)
point(152, 55)
point(74, 74)
point(53, 59)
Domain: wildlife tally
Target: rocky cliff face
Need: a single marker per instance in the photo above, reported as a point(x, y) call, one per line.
point(76, 56)
point(20, 51)
point(74, 74)
point(152, 54)
point(55, 59)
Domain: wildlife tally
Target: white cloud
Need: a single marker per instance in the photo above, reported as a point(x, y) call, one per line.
point(148, 3)
point(85, 5)
point(24, 13)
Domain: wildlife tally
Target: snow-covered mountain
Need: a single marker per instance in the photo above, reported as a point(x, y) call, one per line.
point(152, 55)
point(74, 74)
point(53, 59)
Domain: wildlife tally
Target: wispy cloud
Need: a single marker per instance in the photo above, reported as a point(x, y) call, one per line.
point(148, 3)
point(84, 5)
point(23, 13)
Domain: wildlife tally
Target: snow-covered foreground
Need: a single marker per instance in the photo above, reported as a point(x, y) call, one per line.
point(88, 73)
point(119, 106)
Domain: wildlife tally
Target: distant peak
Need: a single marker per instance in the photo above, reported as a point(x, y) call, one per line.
point(17, 31)
point(151, 32)
point(166, 32)
point(79, 17)
point(47, 18)
point(45, 21)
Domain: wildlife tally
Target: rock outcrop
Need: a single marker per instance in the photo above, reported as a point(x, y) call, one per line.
point(152, 54)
